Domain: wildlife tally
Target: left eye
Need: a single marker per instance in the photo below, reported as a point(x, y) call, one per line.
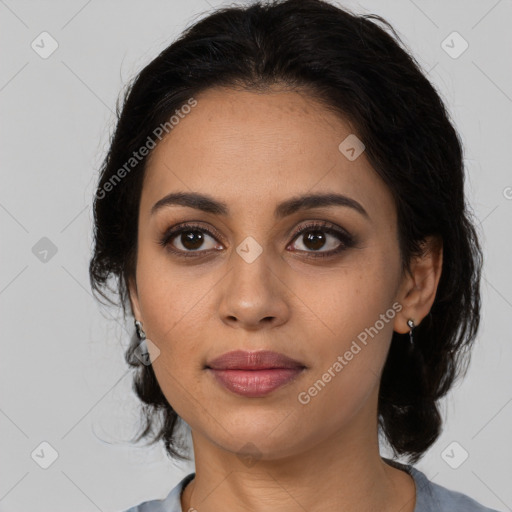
point(313, 239)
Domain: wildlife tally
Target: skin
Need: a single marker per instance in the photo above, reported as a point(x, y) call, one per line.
point(252, 151)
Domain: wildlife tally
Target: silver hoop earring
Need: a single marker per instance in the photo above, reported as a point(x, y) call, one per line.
point(410, 323)
point(140, 331)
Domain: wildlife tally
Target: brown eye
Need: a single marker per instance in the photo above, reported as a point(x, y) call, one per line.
point(191, 240)
point(322, 239)
point(314, 240)
point(186, 240)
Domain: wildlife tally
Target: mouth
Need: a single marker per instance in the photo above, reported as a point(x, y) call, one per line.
point(255, 383)
point(254, 374)
point(247, 360)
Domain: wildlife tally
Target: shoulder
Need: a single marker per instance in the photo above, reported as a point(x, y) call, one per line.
point(171, 503)
point(432, 497)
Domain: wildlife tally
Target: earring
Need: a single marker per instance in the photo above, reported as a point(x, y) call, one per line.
point(410, 323)
point(141, 352)
point(140, 331)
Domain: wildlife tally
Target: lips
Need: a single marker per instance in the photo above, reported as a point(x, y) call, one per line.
point(261, 360)
point(254, 374)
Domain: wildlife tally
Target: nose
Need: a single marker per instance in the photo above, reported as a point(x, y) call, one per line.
point(254, 295)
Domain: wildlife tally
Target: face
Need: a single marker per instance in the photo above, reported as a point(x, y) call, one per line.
point(311, 283)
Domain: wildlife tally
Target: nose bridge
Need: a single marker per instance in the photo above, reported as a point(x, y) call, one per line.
point(251, 269)
point(251, 292)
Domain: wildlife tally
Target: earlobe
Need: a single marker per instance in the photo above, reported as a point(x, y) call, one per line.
point(419, 287)
point(134, 299)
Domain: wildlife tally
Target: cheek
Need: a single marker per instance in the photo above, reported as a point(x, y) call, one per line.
point(171, 295)
point(173, 306)
point(356, 320)
point(352, 302)
point(351, 344)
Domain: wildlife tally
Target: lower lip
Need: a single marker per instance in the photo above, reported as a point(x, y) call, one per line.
point(255, 383)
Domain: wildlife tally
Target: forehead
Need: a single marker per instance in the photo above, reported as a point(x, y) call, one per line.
point(257, 149)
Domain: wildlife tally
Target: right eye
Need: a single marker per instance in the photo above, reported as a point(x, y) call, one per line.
point(191, 237)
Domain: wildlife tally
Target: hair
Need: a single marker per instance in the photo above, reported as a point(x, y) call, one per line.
point(358, 67)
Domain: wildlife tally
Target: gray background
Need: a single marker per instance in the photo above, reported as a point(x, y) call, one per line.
point(64, 380)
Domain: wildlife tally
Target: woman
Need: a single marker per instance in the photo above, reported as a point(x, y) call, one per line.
point(283, 206)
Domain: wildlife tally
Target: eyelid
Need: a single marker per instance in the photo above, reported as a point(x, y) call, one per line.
point(322, 225)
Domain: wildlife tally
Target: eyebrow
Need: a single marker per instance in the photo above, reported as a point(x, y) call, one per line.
point(208, 204)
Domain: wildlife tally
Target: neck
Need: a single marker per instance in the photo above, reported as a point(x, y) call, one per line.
point(345, 467)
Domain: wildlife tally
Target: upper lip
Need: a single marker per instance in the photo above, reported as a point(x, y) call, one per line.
point(245, 360)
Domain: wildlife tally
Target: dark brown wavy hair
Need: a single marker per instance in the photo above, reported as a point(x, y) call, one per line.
point(358, 67)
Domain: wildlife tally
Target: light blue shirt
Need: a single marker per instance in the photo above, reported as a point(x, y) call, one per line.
point(430, 497)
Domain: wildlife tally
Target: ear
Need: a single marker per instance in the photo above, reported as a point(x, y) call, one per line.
point(134, 299)
point(419, 286)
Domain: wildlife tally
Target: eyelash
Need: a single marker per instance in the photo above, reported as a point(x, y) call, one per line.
point(346, 239)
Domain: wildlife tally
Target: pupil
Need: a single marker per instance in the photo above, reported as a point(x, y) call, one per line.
point(188, 241)
point(316, 239)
